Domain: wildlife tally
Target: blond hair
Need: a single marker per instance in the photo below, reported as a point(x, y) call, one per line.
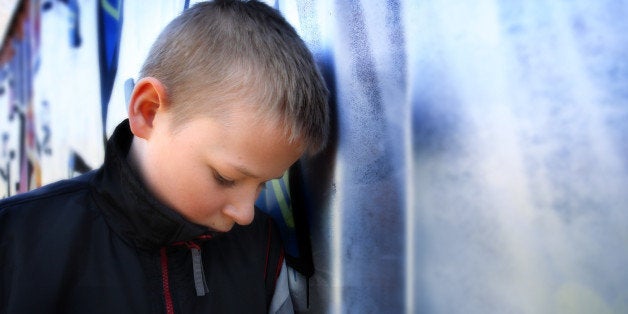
point(218, 52)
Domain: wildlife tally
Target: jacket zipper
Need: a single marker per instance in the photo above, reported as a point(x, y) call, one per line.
point(165, 283)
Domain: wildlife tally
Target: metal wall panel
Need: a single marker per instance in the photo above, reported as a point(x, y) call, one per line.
point(479, 164)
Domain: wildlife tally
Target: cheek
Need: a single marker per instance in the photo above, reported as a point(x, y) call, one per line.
point(203, 191)
point(200, 203)
point(193, 190)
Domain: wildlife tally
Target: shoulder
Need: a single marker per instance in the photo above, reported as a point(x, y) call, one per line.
point(52, 190)
point(50, 202)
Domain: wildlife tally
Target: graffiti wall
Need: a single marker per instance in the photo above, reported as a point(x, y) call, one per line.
point(50, 89)
point(478, 164)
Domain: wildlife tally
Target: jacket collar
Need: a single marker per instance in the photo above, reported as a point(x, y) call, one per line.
point(131, 210)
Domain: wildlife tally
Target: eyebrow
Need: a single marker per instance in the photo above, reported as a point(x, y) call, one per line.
point(250, 174)
point(246, 172)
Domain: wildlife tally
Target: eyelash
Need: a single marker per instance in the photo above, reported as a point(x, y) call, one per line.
point(223, 181)
point(229, 183)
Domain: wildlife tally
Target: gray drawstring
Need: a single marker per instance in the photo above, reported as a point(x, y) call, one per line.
point(199, 275)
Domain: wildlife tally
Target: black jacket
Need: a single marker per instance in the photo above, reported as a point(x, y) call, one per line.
point(100, 243)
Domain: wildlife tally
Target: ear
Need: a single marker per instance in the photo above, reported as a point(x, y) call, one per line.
point(148, 97)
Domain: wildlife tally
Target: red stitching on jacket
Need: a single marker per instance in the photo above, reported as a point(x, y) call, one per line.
point(192, 244)
point(205, 237)
point(165, 283)
point(267, 252)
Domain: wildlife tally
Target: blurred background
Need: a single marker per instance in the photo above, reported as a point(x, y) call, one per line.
point(478, 164)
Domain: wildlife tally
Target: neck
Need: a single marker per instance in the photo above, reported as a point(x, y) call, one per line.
point(134, 157)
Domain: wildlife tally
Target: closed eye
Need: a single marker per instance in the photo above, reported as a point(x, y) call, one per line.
point(222, 180)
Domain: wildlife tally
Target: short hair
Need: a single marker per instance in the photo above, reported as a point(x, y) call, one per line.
point(228, 50)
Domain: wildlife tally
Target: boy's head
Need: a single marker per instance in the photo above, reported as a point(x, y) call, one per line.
point(218, 52)
point(228, 99)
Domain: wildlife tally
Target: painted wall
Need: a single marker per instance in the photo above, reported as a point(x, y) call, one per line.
point(479, 158)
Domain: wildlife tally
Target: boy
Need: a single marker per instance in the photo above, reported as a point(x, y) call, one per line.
point(228, 98)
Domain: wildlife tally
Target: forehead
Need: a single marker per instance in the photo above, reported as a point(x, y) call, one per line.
point(242, 140)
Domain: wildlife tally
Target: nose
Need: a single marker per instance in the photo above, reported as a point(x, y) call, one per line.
point(241, 207)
